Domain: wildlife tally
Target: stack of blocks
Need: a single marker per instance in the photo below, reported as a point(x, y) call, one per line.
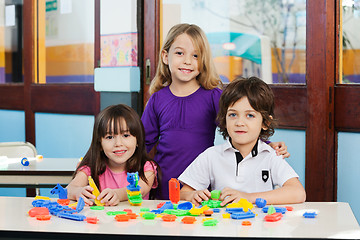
point(133, 189)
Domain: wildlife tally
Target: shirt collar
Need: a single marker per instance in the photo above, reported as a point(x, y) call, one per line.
point(260, 146)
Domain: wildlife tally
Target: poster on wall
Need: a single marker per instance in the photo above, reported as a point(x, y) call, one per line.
point(119, 50)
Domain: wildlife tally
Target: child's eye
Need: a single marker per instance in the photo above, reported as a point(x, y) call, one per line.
point(109, 137)
point(250, 115)
point(126, 135)
point(196, 56)
point(232, 115)
point(179, 53)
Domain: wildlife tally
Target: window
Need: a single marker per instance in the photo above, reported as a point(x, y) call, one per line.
point(248, 38)
point(11, 42)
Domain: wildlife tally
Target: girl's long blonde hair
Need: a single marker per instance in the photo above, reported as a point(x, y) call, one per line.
point(208, 77)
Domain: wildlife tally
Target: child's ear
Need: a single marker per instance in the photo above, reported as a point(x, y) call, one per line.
point(264, 127)
point(164, 56)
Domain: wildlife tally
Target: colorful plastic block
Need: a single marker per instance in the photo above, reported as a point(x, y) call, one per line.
point(58, 189)
point(25, 161)
point(215, 194)
point(185, 206)
point(273, 217)
point(122, 218)
point(38, 211)
point(43, 217)
point(310, 214)
point(133, 180)
point(246, 223)
point(260, 202)
point(188, 220)
point(92, 220)
point(242, 215)
point(273, 209)
point(96, 191)
point(169, 218)
point(212, 222)
point(81, 204)
point(149, 216)
point(174, 190)
point(76, 217)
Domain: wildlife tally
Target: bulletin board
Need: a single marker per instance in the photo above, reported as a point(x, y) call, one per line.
point(119, 50)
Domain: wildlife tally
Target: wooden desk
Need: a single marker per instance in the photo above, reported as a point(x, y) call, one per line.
point(334, 221)
point(46, 172)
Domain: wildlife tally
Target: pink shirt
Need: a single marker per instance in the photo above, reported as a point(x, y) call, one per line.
point(112, 180)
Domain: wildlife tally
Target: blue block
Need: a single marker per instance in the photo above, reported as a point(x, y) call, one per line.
point(185, 206)
point(242, 215)
point(309, 214)
point(80, 205)
point(76, 217)
point(260, 202)
point(233, 210)
point(277, 209)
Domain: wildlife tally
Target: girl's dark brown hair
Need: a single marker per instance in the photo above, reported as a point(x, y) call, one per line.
point(108, 122)
point(261, 99)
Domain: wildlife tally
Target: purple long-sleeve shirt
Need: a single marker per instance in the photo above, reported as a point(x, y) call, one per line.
point(183, 127)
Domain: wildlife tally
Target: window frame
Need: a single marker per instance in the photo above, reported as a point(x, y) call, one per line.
point(72, 98)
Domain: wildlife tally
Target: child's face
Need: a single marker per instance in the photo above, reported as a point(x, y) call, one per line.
point(119, 148)
point(182, 60)
point(243, 124)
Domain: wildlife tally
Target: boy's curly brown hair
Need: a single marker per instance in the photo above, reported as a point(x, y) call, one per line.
point(260, 97)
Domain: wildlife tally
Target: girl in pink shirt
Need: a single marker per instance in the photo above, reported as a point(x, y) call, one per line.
point(117, 147)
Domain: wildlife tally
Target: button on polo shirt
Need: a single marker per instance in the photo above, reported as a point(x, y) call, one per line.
point(218, 168)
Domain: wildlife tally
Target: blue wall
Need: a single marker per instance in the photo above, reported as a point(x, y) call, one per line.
point(12, 129)
point(63, 135)
point(348, 171)
point(57, 136)
point(12, 126)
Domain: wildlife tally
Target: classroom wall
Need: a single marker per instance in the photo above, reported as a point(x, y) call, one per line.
point(63, 135)
point(12, 129)
point(348, 165)
point(12, 126)
point(57, 136)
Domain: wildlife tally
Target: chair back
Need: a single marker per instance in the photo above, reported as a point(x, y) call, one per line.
point(17, 149)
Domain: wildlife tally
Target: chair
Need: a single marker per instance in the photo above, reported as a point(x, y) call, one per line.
point(17, 149)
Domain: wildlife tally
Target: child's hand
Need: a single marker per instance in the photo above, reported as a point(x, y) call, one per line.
point(199, 196)
point(229, 195)
point(280, 148)
point(109, 197)
point(86, 194)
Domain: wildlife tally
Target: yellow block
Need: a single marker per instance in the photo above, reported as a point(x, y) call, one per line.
point(96, 191)
point(133, 193)
point(42, 198)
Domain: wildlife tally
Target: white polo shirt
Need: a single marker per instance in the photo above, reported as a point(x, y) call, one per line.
point(218, 168)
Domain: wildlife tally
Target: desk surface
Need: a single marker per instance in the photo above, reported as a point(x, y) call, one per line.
point(49, 171)
point(335, 220)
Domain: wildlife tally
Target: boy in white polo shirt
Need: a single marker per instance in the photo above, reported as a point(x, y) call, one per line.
point(244, 166)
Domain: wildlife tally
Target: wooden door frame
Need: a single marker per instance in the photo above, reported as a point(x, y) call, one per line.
point(316, 107)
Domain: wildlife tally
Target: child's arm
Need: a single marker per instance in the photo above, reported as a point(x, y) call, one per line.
point(112, 197)
point(78, 187)
point(291, 192)
point(187, 193)
point(280, 148)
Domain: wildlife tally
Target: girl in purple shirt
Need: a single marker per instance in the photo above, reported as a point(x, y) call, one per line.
point(117, 147)
point(179, 118)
